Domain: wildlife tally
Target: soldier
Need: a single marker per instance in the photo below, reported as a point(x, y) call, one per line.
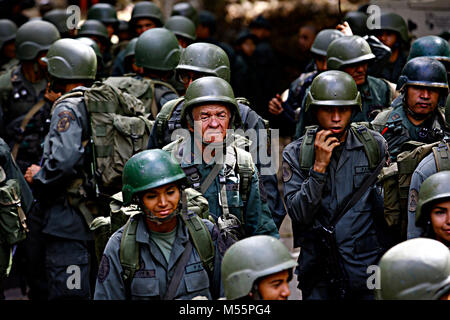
point(432, 214)
point(145, 15)
point(8, 31)
point(183, 28)
point(433, 47)
point(229, 181)
point(185, 9)
point(22, 90)
point(72, 67)
point(437, 160)
point(154, 182)
point(106, 14)
point(97, 31)
point(288, 110)
point(352, 54)
point(257, 268)
point(393, 32)
point(337, 240)
point(157, 52)
point(14, 210)
point(417, 269)
point(415, 114)
point(60, 18)
point(100, 75)
point(199, 60)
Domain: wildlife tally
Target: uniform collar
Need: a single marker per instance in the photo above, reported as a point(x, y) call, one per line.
point(352, 142)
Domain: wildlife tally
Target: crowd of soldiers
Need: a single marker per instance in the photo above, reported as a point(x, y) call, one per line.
point(127, 171)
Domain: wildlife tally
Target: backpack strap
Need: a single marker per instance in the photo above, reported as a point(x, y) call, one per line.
point(307, 148)
point(129, 253)
point(371, 146)
point(163, 119)
point(442, 156)
point(154, 107)
point(245, 171)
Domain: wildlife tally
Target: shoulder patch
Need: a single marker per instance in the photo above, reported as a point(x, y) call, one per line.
point(103, 270)
point(395, 116)
point(413, 197)
point(287, 172)
point(65, 117)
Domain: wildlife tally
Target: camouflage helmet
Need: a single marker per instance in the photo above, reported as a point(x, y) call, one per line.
point(94, 28)
point(323, 40)
point(357, 21)
point(8, 31)
point(348, 50)
point(69, 59)
point(29, 42)
point(147, 170)
point(91, 43)
point(392, 22)
point(147, 9)
point(185, 9)
point(435, 187)
point(181, 26)
point(103, 12)
point(205, 58)
point(207, 90)
point(425, 72)
point(333, 88)
point(416, 269)
point(430, 46)
point(157, 49)
point(250, 259)
point(59, 19)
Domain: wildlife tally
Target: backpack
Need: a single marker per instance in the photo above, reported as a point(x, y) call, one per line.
point(119, 130)
point(143, 89)
point(13, 227)
point(360, 129)
point(396, 179)
point(104, 227)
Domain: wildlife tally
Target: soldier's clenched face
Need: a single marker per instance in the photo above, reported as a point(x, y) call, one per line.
point(214, 119)
point(422, 100)
point(334, 118)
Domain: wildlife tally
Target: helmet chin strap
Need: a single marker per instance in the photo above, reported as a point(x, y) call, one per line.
point(415, 115)
point(151, 217)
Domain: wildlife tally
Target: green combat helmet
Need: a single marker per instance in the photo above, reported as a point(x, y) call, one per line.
point(348, 50)
point(29, 42)
point(93, 28)
point(416, 269)
point(357, 21)
point(8, 31)
point(426, 72)
point(130, 49)
point(147, 170)
point(211, 90)
point(435, 187)
point(59, 19)
point(91, 43)
point(205, 58)
point(103, 12)
point(392, 22)
point(333, 88)
point(181, 26)
point(430, 46)
point(146, 9)
point(69, 59)
point(185, 9)
point(157, 49)
point(250, 259)
point(323, 40)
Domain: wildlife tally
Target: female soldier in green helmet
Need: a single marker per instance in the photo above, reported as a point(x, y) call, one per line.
point(433, 207)
point(165, 251)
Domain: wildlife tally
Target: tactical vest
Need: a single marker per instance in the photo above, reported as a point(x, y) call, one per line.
point(371, 147)
point(397, 177)
point(143, 89)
